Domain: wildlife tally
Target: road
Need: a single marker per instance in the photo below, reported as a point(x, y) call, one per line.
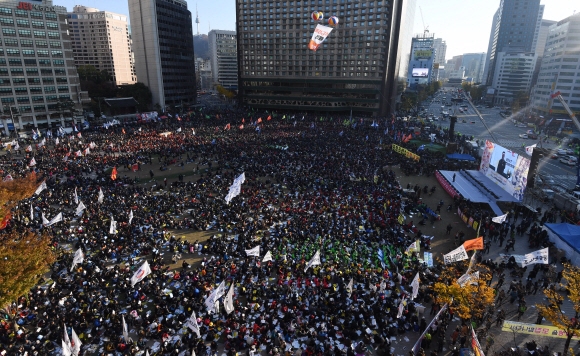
point(504, 132)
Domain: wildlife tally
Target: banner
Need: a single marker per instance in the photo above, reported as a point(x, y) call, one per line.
point(78, 258)
point(318, 36)
point(540, 256)
point(415, 286)
point(229, 300)
point(141, 273)
point(254, 251)
point(466, 278)
point(192, 324)
point(314, 261)
point(475, 345)
point(535, 329)
point(405, 152)
point(499, 219)
point(415, 349)
point(428, 258)
point(459, 254)
point(267, 257)
point(474, 244)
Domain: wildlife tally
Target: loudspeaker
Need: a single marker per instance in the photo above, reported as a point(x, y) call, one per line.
point(452, 121)
point(537, 155)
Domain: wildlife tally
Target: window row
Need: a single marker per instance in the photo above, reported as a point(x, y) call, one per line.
point(27, 33)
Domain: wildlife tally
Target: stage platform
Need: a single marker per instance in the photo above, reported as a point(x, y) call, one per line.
point(476, 187)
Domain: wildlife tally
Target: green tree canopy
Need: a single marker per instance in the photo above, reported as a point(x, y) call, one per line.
point(139, 92)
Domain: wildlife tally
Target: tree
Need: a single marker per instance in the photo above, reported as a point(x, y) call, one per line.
point(24, 256)
point(227, 93)
point(551, 309)
point(139, 92)
point(470, 301)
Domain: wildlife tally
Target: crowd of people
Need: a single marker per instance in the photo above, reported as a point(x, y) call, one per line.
point(312, 185)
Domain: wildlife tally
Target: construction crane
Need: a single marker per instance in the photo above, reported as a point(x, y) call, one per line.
point(425, 28)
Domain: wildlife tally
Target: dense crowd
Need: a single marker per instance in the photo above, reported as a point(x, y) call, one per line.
point(311, 185)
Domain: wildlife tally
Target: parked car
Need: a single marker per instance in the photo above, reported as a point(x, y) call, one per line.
point(523, 135)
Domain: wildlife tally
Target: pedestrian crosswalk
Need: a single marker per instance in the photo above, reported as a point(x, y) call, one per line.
point(564, 177)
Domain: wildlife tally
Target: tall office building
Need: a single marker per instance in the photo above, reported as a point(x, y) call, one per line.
point(101, 39)
point(355, 68)
point(560, 69)
point(440, 47)
point(474, 64)
point(543, 31)
point(405, 35)
point(162, 36)
point(422, 60)
point(223, 57)
point(37, 70)
point(514, 30)
point(512, 76)
point(492, 35)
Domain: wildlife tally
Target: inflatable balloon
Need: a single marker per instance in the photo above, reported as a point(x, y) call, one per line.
point(333, 21)
point(320, 15)
point(316, 15)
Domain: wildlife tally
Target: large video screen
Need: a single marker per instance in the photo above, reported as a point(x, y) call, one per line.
point(507, 169)
point(420, 72)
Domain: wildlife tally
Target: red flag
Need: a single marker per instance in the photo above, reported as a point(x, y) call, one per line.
point(241, 126)
point(227, 127)
point(259, 120)
point(114, 173)
point(123, 130)
point(135, 167)
point(4, 222)
point(269, 118)
point(243, 120)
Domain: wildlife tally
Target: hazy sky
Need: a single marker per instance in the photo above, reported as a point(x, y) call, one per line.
point(464, 24)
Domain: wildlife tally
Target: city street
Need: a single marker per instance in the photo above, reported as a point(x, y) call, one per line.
point(505, 133)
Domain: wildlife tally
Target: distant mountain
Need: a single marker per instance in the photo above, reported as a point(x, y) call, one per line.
point(200, 46)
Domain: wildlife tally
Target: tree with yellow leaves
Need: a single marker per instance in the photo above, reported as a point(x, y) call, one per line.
point(24, 255)
point(470, 300)
point(551, 309)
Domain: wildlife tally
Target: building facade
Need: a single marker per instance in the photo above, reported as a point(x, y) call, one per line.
point(474, 63)
point(422, 60)
point(512, 76)
point(101, 39)
point(515, 25)
point(560, 69)
point(355, 68)
point(224, 58)
point(440, 47)
point(39, 84)
point(162, 36)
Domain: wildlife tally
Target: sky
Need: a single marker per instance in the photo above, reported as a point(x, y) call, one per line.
point(464, 24)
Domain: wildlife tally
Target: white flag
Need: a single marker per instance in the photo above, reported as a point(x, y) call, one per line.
point(235, 188)
point(459, 254)
point(267, 257)
point(44, 220)
point(79, 258)
point(75, 343)
point(113, 226)
point(464, 279)
point(86, 151)
point(415, 285)
point(192, 324)
point(229, 300)
point(539, 256)
point(57, 141)
point(101, 196)
point(32, 162)
point(315, 260)
point(76, 196)
point(130, 217)
point(80, 209)
point(54, 220)
point(67, 347)
point(530, 149)
point(179, 129)
point(210, 301)
point(31, 213)
point(401, 308)
point(254, 251)
point(499, 219)
point(40, 188)
point(349, 286)
point(125, 331)
point(141, 273)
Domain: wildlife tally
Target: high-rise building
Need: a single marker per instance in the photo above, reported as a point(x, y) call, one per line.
point(101, 39)
point(223, 57)
point(422, 60)
point(514, 30)
point(440, 47)
point(492, 35)
point(405, 36)
point(543, 31)
point(474, 64)
point(162, 36)
point(355, 68)
point(39, 84)
point(560, 69)
point(512, 76)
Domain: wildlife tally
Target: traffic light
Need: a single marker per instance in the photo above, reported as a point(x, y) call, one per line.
point(537, 155)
